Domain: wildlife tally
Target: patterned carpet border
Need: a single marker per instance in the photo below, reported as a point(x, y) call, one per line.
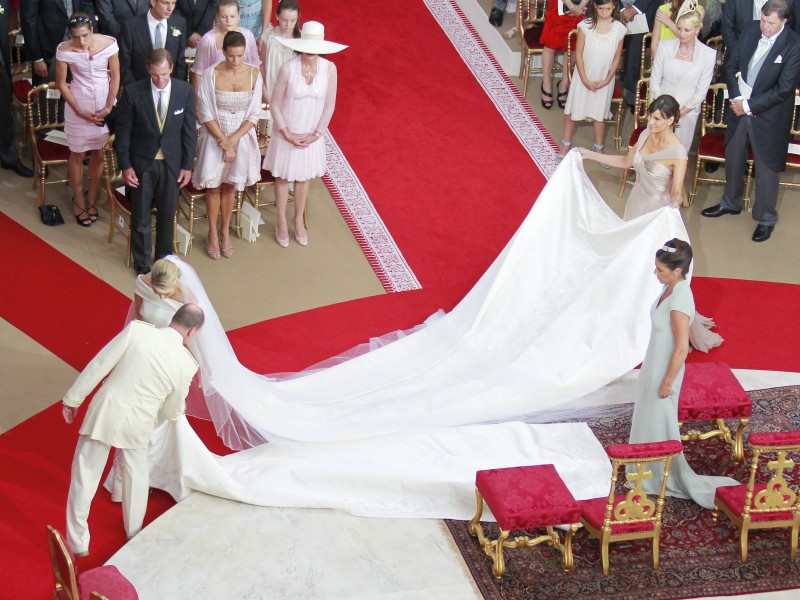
point(697, 558)
point(533, 136)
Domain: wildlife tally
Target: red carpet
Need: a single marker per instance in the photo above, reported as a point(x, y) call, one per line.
point(450, 181)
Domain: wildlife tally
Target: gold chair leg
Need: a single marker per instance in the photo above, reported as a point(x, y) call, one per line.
point(604, 556)
point(743, 543)
point(748, 204)
point(527, 76)
point(475, 523)
point(569, 560)
point(625, 174)
point(693, 193)
point(656, 543)
point(793, 546)
point(737, 451)
point(499, 566)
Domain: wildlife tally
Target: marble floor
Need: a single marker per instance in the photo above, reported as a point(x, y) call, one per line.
point(213, 548)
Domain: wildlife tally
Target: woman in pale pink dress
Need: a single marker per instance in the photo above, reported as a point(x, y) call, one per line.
point(228, 156)
point(302, 105)
point(94, 63)
point(209, 50)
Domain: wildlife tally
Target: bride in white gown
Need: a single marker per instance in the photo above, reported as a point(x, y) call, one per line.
point(400, 432)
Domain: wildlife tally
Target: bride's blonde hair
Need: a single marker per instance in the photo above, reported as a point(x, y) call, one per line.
point(164, 276)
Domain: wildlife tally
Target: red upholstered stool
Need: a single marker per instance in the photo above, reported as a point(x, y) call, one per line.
point(710, 392)
point(525, 498)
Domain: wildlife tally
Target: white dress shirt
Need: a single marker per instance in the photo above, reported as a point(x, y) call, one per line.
point(152, 22)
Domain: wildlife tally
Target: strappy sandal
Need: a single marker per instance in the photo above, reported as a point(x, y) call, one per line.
point(567, 144)
point(547, 98)
point(94, 216)
point(599, 148)
point(82, 221)
point(562, 99)
point(212, 254)
point(511, 33)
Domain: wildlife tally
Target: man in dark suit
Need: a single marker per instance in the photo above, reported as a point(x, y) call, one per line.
point(739, 16)
point(633, 42)
point(157, 28)
point(199, 15)
point(113, 13)
point(9, 154)
point(44, 23)
point(155, 150)
point(762, 72)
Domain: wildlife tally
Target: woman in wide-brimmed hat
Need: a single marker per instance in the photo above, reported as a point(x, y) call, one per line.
point(302, 105)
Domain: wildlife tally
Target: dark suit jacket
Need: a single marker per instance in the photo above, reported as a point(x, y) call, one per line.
point(135, 44)
point(5, 103)
point(44, 23)
point(772, 100)
point(737, 17)
point(199, 14)
point(138, 138)
point(113, 13)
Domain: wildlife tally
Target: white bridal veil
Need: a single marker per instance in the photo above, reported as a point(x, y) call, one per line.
point(400, 431)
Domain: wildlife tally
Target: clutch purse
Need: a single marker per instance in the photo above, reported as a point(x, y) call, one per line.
point(50, 215)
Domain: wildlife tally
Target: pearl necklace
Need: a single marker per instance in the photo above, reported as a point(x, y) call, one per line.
point(691, 51)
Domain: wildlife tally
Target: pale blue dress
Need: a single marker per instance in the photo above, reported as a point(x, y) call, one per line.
point(655, 419)
point(250, 15)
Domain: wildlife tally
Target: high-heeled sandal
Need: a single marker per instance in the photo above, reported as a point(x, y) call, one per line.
point(226, 252)
point(599, 148)
point(547, 98)
point(562, 98)
point(212, 254)
point(566, 143)
point(94, 216)
point(82, 221)
point(511, 33)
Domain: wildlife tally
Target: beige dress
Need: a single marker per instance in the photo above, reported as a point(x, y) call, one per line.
point(651, 192)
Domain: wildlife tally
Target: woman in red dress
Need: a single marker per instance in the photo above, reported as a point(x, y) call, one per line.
point(554, 39)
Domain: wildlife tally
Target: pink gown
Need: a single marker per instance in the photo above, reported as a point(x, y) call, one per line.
point(302, 109)
point(89, 86)
point(209, 55)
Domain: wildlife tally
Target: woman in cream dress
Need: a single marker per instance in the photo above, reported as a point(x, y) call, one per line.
point(683, 68)
point(660, 160)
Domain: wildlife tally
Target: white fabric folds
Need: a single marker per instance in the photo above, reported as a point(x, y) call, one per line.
point(400, 431)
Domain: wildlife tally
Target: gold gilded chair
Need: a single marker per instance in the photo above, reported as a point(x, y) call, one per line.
point(718, 45)
point(633, 516)
point(647, 58)
point(532, 22)
point(20, 69)
point(189, 201)
point(189, 63)
point(711, 146)
point(640, 106)
point(46, 113)
point(106, 581)
point(770, 505)
point(523, 498)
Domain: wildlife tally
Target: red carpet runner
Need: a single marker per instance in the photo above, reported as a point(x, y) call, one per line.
point(452, 184)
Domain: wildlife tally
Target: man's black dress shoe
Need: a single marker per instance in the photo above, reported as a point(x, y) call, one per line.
point(711, 167)
point(718, 210)
point(496, 17)
point(18, 168)
point(762, 232)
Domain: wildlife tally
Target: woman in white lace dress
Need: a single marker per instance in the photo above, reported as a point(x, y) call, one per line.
point(228, 156)
point(275, 53)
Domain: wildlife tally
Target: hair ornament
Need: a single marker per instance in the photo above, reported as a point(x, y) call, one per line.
point(687, 7)
point(668, 249)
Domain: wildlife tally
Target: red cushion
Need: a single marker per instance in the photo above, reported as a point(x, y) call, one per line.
point(527, 497)
point(617, 94)
point(50, 151)
point(122, 200)
point(594, 513)
point(266, 177)
point(734, 496)
point(108, 581)
point(710, 391)
point(635, 136)
point(531, 37)
point(712, 144)
point(646, 450)
point(21, 89)
point(781, 438)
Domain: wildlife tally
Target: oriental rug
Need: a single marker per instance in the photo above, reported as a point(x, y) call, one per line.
point(697, 558)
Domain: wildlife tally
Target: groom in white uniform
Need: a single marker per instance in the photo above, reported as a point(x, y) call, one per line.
point(149, 372)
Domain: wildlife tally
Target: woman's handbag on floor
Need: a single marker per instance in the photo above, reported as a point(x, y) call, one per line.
point(51, 215)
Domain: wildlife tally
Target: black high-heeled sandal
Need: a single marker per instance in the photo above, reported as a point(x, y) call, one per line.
point(92, 215)
point(547, 98)
point(562, 99)
point(82, 221)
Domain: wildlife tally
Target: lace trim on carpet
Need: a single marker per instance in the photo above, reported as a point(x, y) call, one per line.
point(509, 102)
point(366, 224)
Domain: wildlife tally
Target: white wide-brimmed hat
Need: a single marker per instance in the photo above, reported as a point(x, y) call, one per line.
point(312, 40)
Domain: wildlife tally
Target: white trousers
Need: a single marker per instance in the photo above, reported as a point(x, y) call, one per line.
point(87, 469)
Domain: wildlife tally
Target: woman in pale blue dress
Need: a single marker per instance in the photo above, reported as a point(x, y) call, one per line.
point(255, 16)
point(655, 416)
